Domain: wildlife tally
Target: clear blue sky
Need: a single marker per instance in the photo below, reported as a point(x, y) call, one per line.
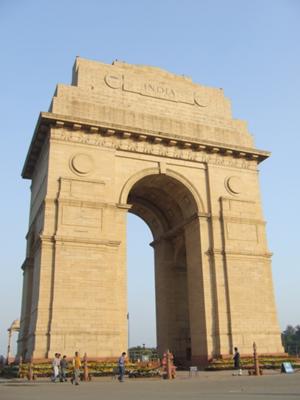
point(249, 48)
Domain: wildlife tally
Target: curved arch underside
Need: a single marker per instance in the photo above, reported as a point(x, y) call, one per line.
point(163, 202)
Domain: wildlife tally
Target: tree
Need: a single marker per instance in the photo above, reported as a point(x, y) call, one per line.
point(291, 339)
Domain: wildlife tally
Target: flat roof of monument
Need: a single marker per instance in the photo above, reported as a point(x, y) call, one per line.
point(125, 64)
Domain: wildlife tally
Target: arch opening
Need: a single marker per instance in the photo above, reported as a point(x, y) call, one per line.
point(140, 284)
point(168, 206)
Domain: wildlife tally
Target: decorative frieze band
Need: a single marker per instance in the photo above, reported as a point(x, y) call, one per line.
point(146, 143)
point(185, 151)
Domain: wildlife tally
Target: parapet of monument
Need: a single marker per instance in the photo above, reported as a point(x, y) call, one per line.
point(127, 138)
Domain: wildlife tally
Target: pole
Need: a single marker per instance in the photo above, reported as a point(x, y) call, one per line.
point(20, 373)
point(85, 368)
point(30, 370)
point(256, 362)
point(169, 365)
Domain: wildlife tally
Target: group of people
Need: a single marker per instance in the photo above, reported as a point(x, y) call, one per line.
point(60, 365)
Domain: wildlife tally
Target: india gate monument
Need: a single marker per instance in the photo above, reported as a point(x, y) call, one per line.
point(137, 139)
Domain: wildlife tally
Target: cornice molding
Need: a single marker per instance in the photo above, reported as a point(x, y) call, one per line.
point(48, 120)
point(238, 254)
point(79, 240)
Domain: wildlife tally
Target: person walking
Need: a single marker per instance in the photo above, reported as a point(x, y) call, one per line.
point(55, 367)
point(63, 369)
point(237, 362)
point(76, 367)
point(121, 367)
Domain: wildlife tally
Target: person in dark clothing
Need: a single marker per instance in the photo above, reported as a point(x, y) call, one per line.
point(63, 369)
point(237, 361)
point(121, 367)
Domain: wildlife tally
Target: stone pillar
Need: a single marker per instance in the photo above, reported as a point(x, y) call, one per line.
point(173, 330)
point(197, 312)
point(163, 256)
point(247, 264)
point(213, 287)
point(26, 306)
point(89, 300)
point(181, 321)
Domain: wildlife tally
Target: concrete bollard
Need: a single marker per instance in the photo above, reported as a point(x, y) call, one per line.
point(20, 371)
point(30, 370)
point(85, 368)
point(256, 362)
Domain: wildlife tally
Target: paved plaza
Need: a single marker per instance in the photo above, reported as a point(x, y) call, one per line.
point(207, 385)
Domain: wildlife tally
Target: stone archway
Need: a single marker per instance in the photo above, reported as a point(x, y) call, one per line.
point(124, 138)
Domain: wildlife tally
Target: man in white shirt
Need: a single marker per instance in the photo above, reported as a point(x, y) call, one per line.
point(55, 367)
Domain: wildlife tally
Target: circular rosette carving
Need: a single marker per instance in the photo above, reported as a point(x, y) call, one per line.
point(201, 99)
point(81, 164)
point(234, 185)
point(115, 81)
